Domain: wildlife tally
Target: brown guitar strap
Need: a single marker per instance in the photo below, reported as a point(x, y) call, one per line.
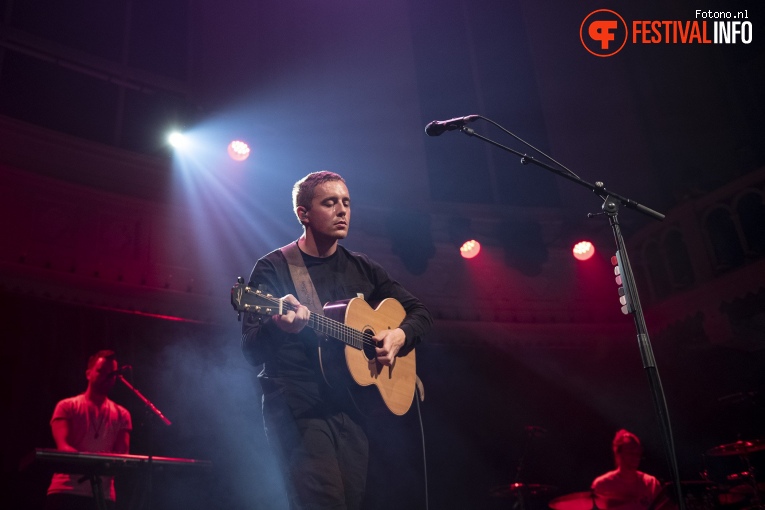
point(306, 292)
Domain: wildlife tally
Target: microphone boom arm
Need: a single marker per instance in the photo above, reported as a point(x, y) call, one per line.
point(598, 188)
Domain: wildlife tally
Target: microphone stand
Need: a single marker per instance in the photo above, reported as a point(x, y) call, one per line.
point(144, 495)
point(611, 203)
point(532, 431)
point(143, 399)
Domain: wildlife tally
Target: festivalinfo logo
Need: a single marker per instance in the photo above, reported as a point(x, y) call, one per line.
point(604, 32)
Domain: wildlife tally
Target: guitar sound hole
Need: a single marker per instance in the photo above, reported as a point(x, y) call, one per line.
point(369, 348)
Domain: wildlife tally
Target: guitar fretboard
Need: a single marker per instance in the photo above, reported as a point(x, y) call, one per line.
point(324, 324)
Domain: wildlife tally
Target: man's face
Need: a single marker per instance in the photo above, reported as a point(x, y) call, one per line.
point(330, 212)
point(101, 376)
point(628, 455)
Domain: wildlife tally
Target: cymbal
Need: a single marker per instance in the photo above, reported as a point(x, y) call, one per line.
point(747, 489)
point(730, 497)
point(737, 448)
point(513, 489)
point(584, 501)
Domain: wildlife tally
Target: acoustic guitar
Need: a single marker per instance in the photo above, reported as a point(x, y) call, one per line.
point(353, 322)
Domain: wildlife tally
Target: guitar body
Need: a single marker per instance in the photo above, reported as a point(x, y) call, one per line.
point(395, 383)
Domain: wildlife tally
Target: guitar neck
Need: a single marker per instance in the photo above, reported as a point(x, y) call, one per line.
point(330, 327)
point(338, 330)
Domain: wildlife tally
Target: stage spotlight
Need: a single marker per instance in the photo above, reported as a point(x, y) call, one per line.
point(238, 150)
point(583, 250)
point(177, 140)
point(470, 249)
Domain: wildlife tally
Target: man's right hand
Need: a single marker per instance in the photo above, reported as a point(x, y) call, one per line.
point(294, 320)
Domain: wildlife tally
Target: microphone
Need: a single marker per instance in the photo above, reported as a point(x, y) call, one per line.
point(436, 127)
point(121, 370)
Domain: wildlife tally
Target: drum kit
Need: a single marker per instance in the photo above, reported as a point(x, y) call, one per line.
point(739, 491)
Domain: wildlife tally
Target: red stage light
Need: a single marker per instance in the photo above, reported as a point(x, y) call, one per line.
point(238, 150)
point(470, 249)
point(583, 250)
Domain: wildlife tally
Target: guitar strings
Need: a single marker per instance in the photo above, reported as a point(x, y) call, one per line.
point(341, 329)
point(332, 327)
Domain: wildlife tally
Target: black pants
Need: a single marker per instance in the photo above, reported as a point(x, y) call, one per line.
point(324, 454)
point(71, 502)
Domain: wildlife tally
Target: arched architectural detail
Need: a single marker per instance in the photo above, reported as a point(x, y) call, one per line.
point(724, 239)
point(656, 266)
point(678, 260)
point(750, 213)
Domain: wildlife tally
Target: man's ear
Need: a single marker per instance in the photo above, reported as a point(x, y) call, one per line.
point(301, 212)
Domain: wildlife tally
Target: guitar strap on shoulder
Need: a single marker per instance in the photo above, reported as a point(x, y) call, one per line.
point(306, 292)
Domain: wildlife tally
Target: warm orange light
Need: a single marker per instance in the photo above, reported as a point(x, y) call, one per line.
point(238, 150)
point(583, 250)
point(470, 249)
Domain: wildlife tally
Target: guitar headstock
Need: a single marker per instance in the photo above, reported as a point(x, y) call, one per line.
point(248, 299)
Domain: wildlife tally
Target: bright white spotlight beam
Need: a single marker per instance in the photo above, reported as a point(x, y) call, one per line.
point(178, 140)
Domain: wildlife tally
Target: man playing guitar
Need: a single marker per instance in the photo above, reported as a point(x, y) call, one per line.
point(313, 422)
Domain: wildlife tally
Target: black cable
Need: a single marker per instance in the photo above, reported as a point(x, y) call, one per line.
point(529, 145)
point(422, 435)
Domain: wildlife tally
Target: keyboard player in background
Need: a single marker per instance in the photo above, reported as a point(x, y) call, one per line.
point(89, 422)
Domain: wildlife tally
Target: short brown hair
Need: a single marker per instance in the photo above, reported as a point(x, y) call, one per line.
point(303, 190)
point(623, 437)
point(105, 353)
